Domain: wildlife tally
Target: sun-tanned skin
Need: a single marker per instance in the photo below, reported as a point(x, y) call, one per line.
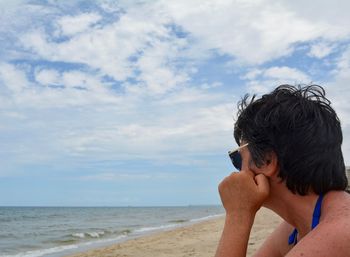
point(242, 195)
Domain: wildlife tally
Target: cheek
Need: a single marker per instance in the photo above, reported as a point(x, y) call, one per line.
point(245, 160)
point(253, 168)
point(248, 163)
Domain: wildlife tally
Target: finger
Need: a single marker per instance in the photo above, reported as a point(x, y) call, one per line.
point(262, 183)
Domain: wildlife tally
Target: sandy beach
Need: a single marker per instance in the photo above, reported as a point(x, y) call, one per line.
point(200, 240)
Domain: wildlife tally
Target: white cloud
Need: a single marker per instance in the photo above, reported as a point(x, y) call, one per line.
point(264, 80)
point(338, 91)
point(210, 85)
point(333, 16)
point(339, 88)
point(71, 25)
point(155, 135)
point(252, 74)
point(190, 95)
point(343, 64)
point(321, 49)
point(78, 79)
point(285, 73)
point(140, 45)
point(223, 26)
point(160, 111)
point(253, 32)
point(47, 77)
point(11, 4)
point(136, 46)
point(12, 78)
point(81, 89)
point(156, 71)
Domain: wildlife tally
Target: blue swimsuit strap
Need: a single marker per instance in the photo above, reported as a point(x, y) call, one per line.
point(315, 220)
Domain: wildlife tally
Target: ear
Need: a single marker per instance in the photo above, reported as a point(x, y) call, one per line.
point(270, 167)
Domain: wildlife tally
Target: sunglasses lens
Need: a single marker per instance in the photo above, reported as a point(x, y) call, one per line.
point(236, 160)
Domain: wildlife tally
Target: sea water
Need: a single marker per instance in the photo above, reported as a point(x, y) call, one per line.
point(58, 231)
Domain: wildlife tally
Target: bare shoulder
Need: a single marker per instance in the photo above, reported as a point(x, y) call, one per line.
point(336, 209)
point(331, 237)
point(327, 239)
point(276, 244)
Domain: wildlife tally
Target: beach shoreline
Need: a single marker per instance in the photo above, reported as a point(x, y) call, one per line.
point(60, 231)
point(198, 239)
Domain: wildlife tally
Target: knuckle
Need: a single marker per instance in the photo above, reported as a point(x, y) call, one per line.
point(221, 186)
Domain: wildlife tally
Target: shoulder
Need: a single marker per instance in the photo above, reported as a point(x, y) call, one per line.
point(332, 235)
point(326, 239)
point(336, 209)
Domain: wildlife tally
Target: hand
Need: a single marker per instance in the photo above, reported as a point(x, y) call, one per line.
point(244, 192)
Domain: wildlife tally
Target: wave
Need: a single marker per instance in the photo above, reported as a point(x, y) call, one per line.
point(161, 227)
point(99, 234)
point(95, 234)
point(38, 253)
point(207, 217)
point(178, 221)
point(126, 231)
point(63, 248)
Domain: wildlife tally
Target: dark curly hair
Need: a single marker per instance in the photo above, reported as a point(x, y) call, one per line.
point(299, 125)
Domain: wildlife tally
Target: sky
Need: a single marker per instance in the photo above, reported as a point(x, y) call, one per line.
point(132, 103)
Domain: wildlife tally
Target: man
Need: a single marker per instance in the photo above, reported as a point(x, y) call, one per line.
point(290, 161)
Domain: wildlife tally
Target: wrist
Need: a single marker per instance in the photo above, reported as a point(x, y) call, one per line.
point(244, 218)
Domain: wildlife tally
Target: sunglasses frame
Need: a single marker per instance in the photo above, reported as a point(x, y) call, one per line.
point(232, 154)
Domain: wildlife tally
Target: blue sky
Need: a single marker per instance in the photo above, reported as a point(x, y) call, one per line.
point(117, 103)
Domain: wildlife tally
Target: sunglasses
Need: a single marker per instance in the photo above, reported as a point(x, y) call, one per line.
point(236, 158)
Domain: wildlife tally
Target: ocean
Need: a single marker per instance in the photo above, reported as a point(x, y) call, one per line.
point(58, 231)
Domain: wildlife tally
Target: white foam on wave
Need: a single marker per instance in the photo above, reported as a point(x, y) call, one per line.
point(207, 217)
point(58, 249)
point(38, 253)
point(80, 235)
point(147, 229)
point(165, 227)
point(95, 234)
